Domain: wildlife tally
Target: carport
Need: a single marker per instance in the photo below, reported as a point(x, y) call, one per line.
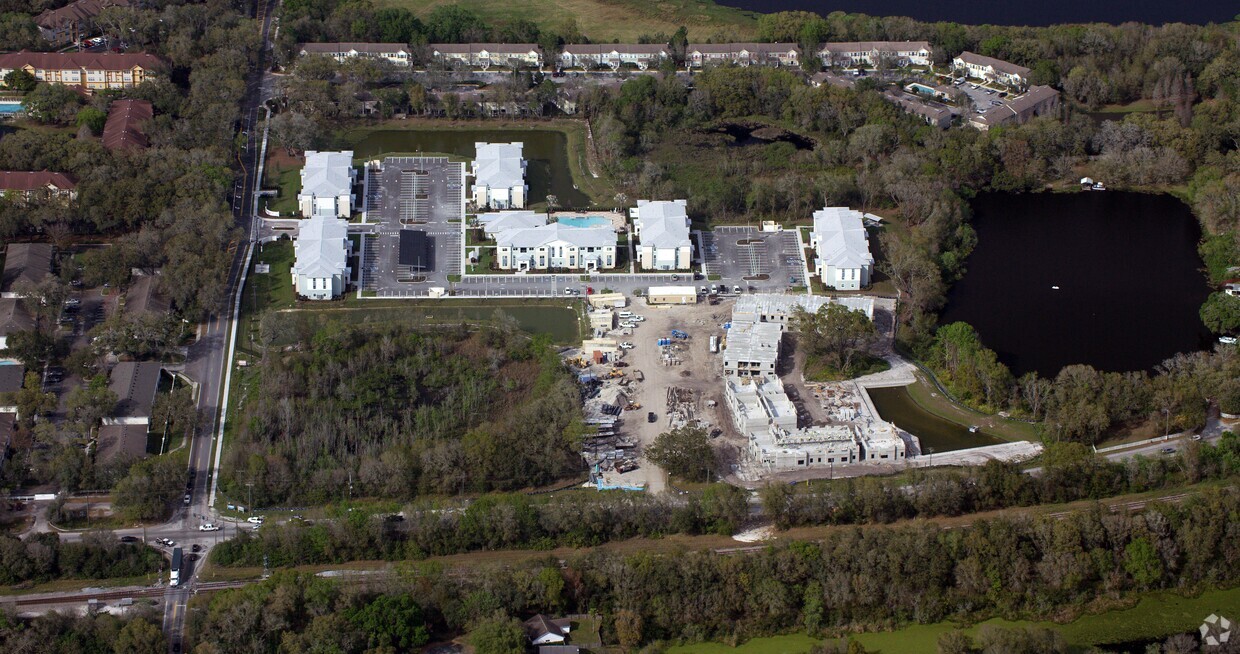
point(414, 254)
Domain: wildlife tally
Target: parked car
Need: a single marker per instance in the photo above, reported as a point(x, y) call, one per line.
point(626, 346)
point(1227, 340)
point(701, 290)
point(570, 291)
point(637, 318)
point(187, 499)
point(255, 519)
point(129, 539)
point(736, 289)
point(1167, 450)
point(651, 417)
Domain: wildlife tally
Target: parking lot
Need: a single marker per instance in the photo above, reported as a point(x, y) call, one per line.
point(756, 261)
point(424, 194)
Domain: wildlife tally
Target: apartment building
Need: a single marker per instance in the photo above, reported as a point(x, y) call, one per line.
point(320, 270)
point(499, 175)
point(91, 71)
point(74, 21)
point(613, 55)
point(698, 55)
point(26, 186)
point(488, 55)
point(556, 247)
point(397, 54)
point(877, 54)
point(991, 69)
point(842, 246)
point(662, 230)
point(327, 182)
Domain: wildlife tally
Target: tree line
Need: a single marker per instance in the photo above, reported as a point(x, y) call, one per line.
point(1069, 474)
point(42, 557)
point(853, 578)
point(1080, 403)
point(490, 522)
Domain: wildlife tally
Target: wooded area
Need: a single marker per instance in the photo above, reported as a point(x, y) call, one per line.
point(853, 578)
point(387, 411)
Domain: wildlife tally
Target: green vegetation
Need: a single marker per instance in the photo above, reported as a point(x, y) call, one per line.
point(95, 633)
point(685, 452)
point(383, 410)
point(839, 340)
point(490, 522)
point(1069, 474)
point(287, 180)
point(42, 557)
point(851, 580)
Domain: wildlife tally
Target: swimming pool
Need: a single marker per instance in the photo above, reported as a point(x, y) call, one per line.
point(10, 107)
point(584, 221)
point(921, 88)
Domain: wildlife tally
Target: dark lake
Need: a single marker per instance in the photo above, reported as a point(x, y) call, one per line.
point(981, 12)
point(1126, 264)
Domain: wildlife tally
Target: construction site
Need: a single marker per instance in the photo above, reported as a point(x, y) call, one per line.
point(648, 369)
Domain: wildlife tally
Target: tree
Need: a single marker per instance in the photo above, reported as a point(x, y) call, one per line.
point(684, 452)
point(392, 621)
point(836, 333)
point(1221, 313)
point(1142, 562)
point(30, 399)
point(20, 81)
point(139, 637)
point(32, 348)
point(294, 131)
point(91, 118)
point(52, 103)
point(89, 404)
point(498, 634)
point(628, 628)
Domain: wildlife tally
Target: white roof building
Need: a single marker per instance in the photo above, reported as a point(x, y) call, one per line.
point(752, 348)
point(662, 230)
point(771, 307)
point(327, 184)
point(556, 246)
point(494, 223)
point(499, 175)
point(842, 245)
point(321, 270)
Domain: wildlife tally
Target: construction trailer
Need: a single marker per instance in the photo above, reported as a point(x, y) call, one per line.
point(672, 295)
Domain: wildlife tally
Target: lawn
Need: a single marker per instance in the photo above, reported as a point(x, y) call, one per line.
point(272, 290)
point(287, 179)
point(552, 317)
point(606, 20)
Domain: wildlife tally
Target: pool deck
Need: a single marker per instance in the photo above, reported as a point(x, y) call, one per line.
point(618, 220)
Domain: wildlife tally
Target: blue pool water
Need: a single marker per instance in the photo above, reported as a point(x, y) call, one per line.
point(922, 88)
point(585, 221)
point(10, 107)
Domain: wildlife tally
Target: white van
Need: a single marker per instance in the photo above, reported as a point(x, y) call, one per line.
point(625, 314)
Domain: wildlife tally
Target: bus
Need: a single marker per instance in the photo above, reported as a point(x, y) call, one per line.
point(175, 577)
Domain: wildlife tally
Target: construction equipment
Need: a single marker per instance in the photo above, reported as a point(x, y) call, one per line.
point(676, 333)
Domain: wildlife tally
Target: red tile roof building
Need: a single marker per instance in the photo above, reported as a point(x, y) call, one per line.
point(89, 70)
point(125, 130)
point(38, 184)
point(74, 21)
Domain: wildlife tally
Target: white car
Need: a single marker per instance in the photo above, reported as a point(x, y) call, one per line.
point(255, 519)
point(209, 527)
point(637, 318)
point(627, 346)
point(1227, 340)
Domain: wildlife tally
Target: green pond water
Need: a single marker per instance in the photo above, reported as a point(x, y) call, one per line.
point(896, 406)
point(546, 154)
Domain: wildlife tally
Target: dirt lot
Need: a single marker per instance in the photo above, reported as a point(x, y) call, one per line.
point(699, 372)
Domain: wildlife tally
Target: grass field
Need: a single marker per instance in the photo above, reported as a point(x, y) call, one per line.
point(1156, 615)
point(605, 20)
